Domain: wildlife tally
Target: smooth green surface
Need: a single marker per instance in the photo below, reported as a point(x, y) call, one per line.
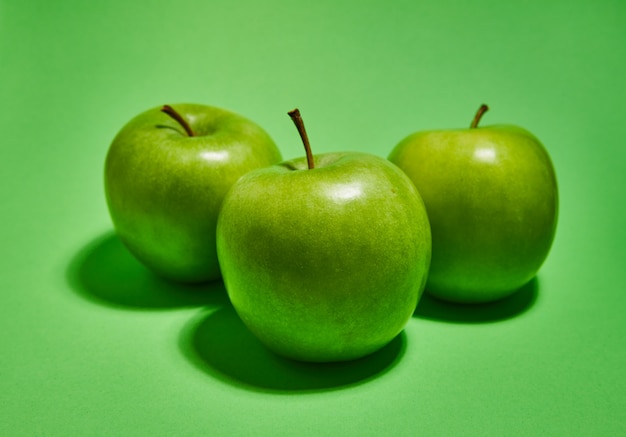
point(492, 201)
point(94, 345)
point(328, 263)
point(164, 186)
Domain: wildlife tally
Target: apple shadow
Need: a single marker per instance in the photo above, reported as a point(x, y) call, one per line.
point(514, 305)
point(105, 272)
point(219, 344)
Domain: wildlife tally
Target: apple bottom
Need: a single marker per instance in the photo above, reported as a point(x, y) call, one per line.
point(173, 254)
point(326, 333)
point(478, 295)
point(485, 268)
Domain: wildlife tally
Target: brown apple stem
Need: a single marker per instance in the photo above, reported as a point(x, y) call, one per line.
point(483, 108)
point(179, 118)
point(297, 120)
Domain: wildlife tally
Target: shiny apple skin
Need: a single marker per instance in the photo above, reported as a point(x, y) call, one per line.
point(492, 200)
point(325, 264)
point(164, 189)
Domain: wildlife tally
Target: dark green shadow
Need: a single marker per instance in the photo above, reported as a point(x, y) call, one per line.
point(105, 272)
point(219, 344)
point(512, 306)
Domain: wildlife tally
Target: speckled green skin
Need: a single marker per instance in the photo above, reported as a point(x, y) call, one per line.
point(491, 196)
point(325, 264)
point(164, 189)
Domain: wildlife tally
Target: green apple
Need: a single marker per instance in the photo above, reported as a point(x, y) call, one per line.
point(324, 258)
point(166, 174)
point(492, 200)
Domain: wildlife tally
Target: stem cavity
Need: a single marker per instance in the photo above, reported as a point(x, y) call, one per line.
point(483, 108)
point(179, 118)
point(297, 120)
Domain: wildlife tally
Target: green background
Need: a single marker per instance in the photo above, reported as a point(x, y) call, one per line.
point(92, 344)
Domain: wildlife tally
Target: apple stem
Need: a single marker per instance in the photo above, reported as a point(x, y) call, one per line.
point(179, 118)
point(483, 108)
point(297, 120)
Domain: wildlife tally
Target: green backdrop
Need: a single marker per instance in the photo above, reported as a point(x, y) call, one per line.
point(93, 344)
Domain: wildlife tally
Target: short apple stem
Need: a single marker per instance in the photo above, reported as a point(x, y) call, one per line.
point(483, 108)
point(297, 120)
point(179, 118)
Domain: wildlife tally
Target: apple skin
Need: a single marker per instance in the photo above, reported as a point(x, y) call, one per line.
point(164, 188)
point(492, 200)
point(325, 264)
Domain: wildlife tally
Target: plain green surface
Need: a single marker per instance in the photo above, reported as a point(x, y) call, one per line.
point(92, 344)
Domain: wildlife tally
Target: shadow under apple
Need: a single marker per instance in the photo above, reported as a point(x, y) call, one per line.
point(105, 272)
point(221, 345)
point(512, 306)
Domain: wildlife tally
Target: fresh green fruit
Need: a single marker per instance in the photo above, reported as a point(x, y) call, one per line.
point(491, 196)
point(325, 258)
point(166, 174)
